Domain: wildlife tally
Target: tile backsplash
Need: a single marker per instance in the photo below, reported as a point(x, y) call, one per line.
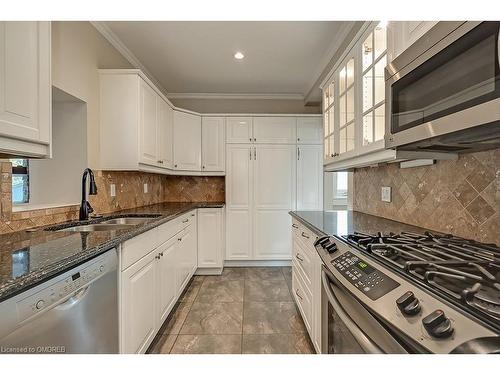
point(461, 197)
point(129, 194)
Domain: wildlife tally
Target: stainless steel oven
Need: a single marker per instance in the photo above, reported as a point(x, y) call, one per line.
point(444, 91)
point(349, 327)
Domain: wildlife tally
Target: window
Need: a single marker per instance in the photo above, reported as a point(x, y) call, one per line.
point(374, 60)
point(340, 188)
point(20, 181)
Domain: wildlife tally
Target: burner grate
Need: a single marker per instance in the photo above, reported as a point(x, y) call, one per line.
point(466, 271)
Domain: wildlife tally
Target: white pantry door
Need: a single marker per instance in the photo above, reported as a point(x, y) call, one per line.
point(309, 177)
point(239, 192)
point(274, 197)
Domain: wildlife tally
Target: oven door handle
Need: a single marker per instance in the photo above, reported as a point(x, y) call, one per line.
point(364, 341)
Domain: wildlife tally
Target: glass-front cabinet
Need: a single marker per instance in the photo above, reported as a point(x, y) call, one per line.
point(354, 98)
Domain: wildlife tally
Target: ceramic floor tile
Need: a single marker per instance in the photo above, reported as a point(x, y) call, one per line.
point(221, 291)
point(298, 343)
point(228, 274)
point(267, 290)
point(191, 291)
point(176, 319)
point(271, 317)
point(214, 318)
point(163, 345)
point(207, 344)
point(264, 273)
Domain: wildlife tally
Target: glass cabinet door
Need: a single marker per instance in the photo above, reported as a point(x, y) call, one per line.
point(329, 122)
point(374, 59)
point(347, 106)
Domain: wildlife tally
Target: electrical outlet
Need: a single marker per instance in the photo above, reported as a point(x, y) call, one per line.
point(112, 190)
point(386, 194)
point(145, 188)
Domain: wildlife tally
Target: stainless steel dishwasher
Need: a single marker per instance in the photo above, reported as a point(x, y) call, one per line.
point(74, 312)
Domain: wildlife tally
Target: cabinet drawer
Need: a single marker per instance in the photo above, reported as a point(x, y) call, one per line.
point(137, 247)
point(303, 298)
point(303, 235)
point(302, 262)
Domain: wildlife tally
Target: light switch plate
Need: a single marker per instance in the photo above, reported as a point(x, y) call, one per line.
point(145, 188)
point(112, 190)
point(386, 194)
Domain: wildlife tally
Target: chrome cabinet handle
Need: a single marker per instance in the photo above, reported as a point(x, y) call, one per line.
point(364, 341)
point(255, 153)
point(179, 239)
point(160, 161)
point(161, 254)
point(298, 257)
point(192, 214)
point(298, 295)
point(298, 153)
point(250, 139)
point(295, 226)
point(255, 139)
point(157, 257)
point(305, 235)
point(185, 220)
point(250, 151)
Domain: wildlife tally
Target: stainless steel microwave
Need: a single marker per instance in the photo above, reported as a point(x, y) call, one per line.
point(443, 92)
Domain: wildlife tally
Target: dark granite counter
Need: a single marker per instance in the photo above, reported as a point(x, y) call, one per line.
point(29, 258)
point(339, 223)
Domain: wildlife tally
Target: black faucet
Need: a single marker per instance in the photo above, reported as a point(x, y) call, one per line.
point(85, 208)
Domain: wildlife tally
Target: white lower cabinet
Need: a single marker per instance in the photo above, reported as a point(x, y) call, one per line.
point(138, 302)
point(151, 283)
point(306, 281)
point(210, 239)
point(166, 282)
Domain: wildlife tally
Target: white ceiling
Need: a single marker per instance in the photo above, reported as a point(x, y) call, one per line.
point(197, 57)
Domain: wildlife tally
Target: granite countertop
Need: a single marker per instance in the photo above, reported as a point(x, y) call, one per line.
point(29, 258)
point(340, 223)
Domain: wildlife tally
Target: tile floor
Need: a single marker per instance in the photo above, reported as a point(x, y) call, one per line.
point(244, 310)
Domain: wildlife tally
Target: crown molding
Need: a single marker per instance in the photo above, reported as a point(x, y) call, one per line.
point(174, 95)
point(116, 42)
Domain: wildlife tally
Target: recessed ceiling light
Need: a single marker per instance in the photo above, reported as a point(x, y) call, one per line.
point(239, 56)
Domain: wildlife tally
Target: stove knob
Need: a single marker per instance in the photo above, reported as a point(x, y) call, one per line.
point(331, 248)
point(408, 304)
point(438, 325)
point(39, 305)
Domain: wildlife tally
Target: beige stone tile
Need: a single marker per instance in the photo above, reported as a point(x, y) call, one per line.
point(207, 344)
point(271, 317)
point(298, 343)
point(176, 318)
point(264, 273)
point(465, 193)
point(221, 291)
point(267, 291)
point(480, 210)
point(214, 318)
point(481, 177)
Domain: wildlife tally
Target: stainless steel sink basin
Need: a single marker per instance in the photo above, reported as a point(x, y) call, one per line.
point(128, 220)
point(96, 227)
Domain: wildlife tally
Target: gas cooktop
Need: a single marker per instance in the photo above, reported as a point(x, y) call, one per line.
point(465, 272)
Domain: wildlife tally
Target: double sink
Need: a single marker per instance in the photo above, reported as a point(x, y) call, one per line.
point(124, 222)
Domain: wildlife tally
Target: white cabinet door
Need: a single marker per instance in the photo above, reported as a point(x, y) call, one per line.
point(275, 129)
point(167, 293)
point(213, 144)
point(309, 130)
point(309, 177)
point(210, 238)
point(138, 304)
point(239, 129)
point(239, 192)
point(148, 125)
point(402, 34)
point(25, 85)
point(165, 134)
point(187, 141)
point(186, 258)
point(274, 196)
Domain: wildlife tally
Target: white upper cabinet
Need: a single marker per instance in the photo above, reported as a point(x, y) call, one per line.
point(402, 34)
point(213, 144)
point(309, 130)
point(239, 129)
point(309, 177)
point(25, 88)
point(148, 125)
point(187, 141)
point(354, 100)
point(165, 133)
point(275, 130)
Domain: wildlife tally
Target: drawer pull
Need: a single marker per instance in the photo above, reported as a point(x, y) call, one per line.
point(305, 235)
point(298, 295)
point(185, 220)
point(299, 258)
point(295, 226)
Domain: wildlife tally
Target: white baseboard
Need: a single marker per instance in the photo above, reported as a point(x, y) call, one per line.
point(257, 263)
point(209, 271)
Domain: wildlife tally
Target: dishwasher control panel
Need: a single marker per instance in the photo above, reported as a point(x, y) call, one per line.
point(61, 289)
